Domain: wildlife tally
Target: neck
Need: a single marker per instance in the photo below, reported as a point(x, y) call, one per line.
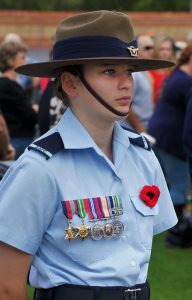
point(11, 74)
point(101, 131)
point(187, 69)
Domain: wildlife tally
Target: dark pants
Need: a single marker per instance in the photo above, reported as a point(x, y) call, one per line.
point(77, 292)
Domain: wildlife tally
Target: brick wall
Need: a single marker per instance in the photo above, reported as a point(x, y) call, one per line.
point(37, 28)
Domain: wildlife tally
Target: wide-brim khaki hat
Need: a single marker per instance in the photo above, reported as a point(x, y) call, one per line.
point(93, 37)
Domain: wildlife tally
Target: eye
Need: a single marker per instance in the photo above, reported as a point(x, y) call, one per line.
point(109, 71)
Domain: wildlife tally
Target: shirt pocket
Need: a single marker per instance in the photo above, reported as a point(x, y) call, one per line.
point(145, 219)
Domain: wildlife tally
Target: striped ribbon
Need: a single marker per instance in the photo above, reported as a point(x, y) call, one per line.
point(81, 208)
point(115, 205)
point(98, 207)
point(103, 207)
point(68, 209)
point(106, 207)
point(88, 209)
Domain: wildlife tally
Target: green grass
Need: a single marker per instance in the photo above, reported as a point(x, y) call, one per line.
point(30, 293)
point(170, 272)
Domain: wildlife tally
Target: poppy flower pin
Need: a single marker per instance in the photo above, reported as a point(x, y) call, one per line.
point(150, 195)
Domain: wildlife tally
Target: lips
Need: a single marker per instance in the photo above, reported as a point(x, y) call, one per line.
point(124, 100)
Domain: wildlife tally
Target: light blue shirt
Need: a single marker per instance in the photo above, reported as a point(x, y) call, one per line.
point(32, 219)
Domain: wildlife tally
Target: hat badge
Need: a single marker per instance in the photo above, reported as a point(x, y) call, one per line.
point(133, 51)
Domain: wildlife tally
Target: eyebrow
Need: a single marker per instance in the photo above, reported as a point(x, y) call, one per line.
point(112, 65)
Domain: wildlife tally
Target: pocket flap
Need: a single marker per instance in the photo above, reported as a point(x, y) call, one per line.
point(143, 208)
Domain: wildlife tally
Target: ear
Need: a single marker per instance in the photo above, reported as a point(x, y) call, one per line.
point(69, 83)
point(11, 62)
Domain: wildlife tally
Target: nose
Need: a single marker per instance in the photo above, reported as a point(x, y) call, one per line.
point(125, 81)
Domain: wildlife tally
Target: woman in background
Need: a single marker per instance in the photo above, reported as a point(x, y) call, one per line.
point(16, 107)
point(164, 49)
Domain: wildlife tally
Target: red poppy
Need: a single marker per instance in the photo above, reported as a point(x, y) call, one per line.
point(150, 195)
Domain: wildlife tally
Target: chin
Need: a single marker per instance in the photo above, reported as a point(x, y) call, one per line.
point(124, 110)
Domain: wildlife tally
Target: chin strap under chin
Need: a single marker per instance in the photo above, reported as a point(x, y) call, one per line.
point(97, 97)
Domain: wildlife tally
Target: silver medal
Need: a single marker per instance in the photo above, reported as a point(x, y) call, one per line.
point(96, 232)
point(108, 230)
point(118, 228)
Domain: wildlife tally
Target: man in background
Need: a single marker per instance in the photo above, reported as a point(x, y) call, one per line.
point(142, 104)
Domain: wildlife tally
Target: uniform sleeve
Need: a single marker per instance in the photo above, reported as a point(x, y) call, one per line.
point(166, 217)
point(27, 204)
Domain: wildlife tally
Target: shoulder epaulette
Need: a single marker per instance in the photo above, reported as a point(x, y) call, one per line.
point(140, 141)
point(48, 145)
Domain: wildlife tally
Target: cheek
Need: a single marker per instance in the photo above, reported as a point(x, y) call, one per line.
point(102, 87)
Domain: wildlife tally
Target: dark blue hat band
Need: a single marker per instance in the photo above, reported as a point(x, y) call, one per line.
point(93, 46)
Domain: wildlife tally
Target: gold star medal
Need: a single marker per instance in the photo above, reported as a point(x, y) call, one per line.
point(69, 209)
point(83, 231)
point(71, 232)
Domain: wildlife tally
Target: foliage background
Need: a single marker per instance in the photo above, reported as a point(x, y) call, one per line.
point(126, 5)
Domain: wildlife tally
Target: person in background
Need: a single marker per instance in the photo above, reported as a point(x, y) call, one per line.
point(142, 104)
point(179, 46)
point(167, 125)
point(43, 83)
point(187, 132)
point(7, 152)
point(50, 108)
point(31, 85)
point(17, 109)
point(87, 180)
point(164, 49)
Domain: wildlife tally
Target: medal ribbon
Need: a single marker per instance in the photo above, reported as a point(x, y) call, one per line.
point(81, 208)
point(68, 209)
point(119, 204)
point(105, 207)
point(76, 206)
point(96, 208)
point(97, 205)
point(116, 201)
point(93, 212)
point(115, 204)
point(88, 209)
point(111, 204)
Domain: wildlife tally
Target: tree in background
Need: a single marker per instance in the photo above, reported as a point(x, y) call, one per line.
point(121, 5)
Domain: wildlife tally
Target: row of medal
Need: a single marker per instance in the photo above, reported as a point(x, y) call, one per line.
point(99, 208)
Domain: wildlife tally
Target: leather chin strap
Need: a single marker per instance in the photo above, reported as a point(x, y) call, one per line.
point(97, 97)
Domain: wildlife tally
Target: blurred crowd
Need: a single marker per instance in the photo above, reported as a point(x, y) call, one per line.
point(161, 110)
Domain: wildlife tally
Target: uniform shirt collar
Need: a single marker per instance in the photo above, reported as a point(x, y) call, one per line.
point(73, 133)
point(75, 136)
